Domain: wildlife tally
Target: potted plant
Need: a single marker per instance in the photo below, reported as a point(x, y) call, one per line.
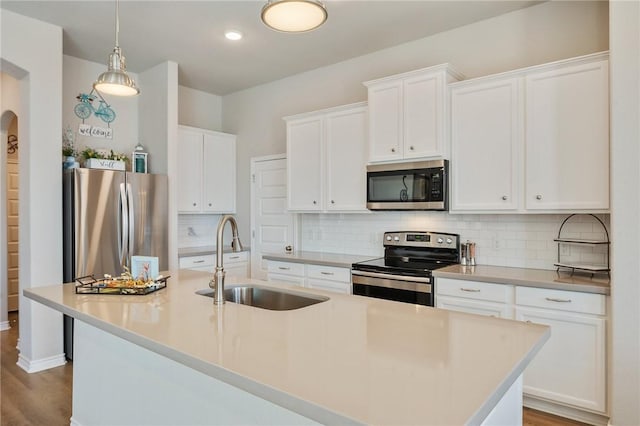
point(102, 159)
point(68, 150)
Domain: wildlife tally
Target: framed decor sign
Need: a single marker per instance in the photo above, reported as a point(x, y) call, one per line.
point(144, 267)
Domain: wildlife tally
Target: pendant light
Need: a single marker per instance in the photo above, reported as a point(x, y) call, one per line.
point(294, 16)
point(116, 81)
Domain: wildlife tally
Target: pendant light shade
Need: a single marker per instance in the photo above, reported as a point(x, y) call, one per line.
point(116, 81)
point(294, 16)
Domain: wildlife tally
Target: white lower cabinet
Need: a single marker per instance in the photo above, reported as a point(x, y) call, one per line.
point(236, 264)
point(474, 297)
point(328, 278)
point(570, 369)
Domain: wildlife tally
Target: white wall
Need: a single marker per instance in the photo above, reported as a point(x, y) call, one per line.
point(78, 77)
point(199, 109)
point(159, 133)
point(625, 222)
point(539, 34)
point(36, 61)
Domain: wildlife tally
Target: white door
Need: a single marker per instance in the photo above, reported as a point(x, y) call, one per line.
point(423, 116)
point(385, 121)
point(272, 226)
point(13, 289)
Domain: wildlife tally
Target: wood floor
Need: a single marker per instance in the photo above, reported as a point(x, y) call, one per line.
point(36, 399)
point(45, 398)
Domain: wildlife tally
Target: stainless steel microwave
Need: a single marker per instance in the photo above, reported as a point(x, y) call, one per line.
point(420, 185)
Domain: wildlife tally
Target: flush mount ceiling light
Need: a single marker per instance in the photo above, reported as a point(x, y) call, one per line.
point(116, 81)
point(294, 16)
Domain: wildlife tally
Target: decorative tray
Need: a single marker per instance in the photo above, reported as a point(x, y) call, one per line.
point(119, 285)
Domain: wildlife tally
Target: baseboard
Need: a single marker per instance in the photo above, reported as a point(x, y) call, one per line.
point(33, 366)
point(567, 412)
point(4, 325)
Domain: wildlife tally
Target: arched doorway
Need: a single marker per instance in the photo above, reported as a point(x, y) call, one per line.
point(9, 290)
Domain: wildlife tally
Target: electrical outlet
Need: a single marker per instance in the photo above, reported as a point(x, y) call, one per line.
point(495, 243)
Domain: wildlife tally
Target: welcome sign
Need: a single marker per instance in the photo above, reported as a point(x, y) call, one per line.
point(95, 131)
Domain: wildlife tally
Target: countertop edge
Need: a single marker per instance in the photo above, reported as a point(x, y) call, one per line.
point(479, 416)
point(280, 398)
point(583, 288)
point(315, 258)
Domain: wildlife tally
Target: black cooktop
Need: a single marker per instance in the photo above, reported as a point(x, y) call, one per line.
point(401, 266)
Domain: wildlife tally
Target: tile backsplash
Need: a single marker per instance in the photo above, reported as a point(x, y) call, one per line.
point(197, 230)
point(503, 240)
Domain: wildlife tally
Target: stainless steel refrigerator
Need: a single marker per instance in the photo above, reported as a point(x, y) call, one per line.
point(108, 217)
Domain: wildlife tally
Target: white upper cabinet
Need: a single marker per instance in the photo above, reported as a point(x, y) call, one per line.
point(407, 114)
point(532, 140)
point(486, 136)
point(305, 185)
point(326, 160)
point(567, 143)
point(206, 171)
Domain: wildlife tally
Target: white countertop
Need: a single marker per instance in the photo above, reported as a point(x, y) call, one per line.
point(318, 258)
point(361, 359)
point(527, 277)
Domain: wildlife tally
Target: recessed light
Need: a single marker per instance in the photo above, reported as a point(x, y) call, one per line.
point(233, 35)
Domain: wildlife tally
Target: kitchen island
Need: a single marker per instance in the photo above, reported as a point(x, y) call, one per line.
point(172, 357)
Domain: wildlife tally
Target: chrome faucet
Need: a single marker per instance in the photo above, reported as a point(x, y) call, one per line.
point(217, 283)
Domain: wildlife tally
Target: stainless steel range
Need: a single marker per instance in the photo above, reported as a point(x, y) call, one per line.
point(404, 273)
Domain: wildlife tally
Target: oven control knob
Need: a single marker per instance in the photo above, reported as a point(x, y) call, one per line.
point(449, 240)
point(440, 240)
point(396, 238)
point(389, 238)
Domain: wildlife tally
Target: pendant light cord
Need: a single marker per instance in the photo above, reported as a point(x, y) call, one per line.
point(117, 22)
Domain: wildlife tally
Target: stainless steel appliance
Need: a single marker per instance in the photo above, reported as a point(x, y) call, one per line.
point(404, 273)
point(109, 216)
point(408, 186)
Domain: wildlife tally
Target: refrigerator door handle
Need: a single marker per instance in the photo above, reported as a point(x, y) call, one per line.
point(122, 242)
point(131, 223)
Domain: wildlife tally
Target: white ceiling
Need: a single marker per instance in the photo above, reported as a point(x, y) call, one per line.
point(191, 33)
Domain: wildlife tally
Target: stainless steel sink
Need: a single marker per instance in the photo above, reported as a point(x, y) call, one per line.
point(267, 298)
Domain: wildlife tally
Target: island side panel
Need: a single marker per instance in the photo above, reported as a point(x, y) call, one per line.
point(116, 382)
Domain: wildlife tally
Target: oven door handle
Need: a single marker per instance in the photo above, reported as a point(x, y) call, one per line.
point(391, 277)
point(372, 279)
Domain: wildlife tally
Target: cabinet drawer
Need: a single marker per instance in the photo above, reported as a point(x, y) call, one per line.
point(329, 273)
point(286, 268)
point(234, 257)
point(474, 290)
point(191, 262)
point(570, 301)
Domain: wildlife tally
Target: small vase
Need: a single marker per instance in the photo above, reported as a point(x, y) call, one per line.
point(70, 163)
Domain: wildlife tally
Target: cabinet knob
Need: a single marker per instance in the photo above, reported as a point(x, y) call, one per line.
point(209, 204)
point(504, 198)
point(393, 150)
point(411, 148)
point(314, 202)
point(538, 197)
point(194, 204)
point(333, 202)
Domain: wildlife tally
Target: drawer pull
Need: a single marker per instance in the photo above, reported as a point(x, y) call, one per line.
point(234, 257)
point(553, 299)
point(326, 273)
point(198, 261)
point(470, 290)
point(283, 268)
